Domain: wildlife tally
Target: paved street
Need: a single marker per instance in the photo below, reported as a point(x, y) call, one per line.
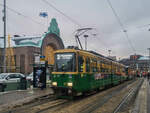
point(10, 99)
point(13, 98)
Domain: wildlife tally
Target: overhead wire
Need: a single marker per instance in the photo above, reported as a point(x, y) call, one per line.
point(72, 20)
point(145, 25)
point(31, 19)
point(121, 25)
point(99, 38)
point(62, 13)
point(20, 14)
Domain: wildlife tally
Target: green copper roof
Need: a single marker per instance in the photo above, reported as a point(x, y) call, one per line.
point(52, 29)
point(28, 43)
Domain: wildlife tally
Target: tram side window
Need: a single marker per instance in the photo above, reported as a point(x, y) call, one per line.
point(103, 70)
point(80, 63)
point(87, 65)
point(98, 66)
point(102, 66)
point(94, 66)
point(123, 70)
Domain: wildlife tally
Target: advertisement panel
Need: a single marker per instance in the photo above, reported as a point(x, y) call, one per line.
point(39, 77)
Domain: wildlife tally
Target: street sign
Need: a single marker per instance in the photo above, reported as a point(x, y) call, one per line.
point(39, 77)
point(37, 59)
point(42, 58)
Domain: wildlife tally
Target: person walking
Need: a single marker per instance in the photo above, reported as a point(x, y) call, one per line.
point(148, 76)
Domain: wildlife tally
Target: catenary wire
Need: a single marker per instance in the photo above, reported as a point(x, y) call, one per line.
point(72, 20)
point(120, 23)
point(20, 14)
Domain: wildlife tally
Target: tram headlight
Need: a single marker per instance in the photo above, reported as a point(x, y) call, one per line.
point(54, 83)
point(70, 84)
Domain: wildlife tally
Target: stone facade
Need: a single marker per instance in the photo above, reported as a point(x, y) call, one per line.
point(26, 48)
point(24, 56)
point(137, 62)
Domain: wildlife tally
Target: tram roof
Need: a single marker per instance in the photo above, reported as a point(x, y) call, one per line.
point(87, 52)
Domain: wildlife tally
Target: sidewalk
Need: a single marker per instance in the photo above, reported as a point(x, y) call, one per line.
point(14, 98)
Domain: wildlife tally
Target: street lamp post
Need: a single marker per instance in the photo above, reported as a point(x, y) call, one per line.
point(4, 52)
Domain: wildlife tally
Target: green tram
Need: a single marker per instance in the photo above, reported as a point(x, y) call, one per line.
point(77, 72)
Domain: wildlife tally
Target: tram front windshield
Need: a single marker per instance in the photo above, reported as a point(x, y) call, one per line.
point(65, 62)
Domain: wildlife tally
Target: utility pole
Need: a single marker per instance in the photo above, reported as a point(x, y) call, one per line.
point(4, 52)
point(149, 60)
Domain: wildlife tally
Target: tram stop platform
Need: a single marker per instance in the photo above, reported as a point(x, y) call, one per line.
point(19, 97)
point(142, 101)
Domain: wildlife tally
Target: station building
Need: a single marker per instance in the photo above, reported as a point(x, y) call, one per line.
point(137, 62)
point(26, 48)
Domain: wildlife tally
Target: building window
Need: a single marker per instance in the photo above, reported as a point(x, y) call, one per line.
point(22, 63)
point(80, 63)
point(87, 65)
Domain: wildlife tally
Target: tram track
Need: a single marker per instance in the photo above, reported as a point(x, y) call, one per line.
point(39, 105)
point(30, 104)
point(94, 103)
point(120, 101)
point(101, 101)
point(89, 104)
point(47, 106)
point(127, 98)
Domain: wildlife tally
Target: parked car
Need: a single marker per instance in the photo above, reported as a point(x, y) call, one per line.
point(12, 81)
point(11, 77)
point(30, 77)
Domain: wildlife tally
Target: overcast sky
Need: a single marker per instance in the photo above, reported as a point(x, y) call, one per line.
point(134, 14)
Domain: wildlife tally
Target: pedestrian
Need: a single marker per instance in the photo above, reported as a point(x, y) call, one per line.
point(148, 76)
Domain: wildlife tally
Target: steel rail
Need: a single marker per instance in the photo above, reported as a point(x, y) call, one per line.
point(126, 97)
